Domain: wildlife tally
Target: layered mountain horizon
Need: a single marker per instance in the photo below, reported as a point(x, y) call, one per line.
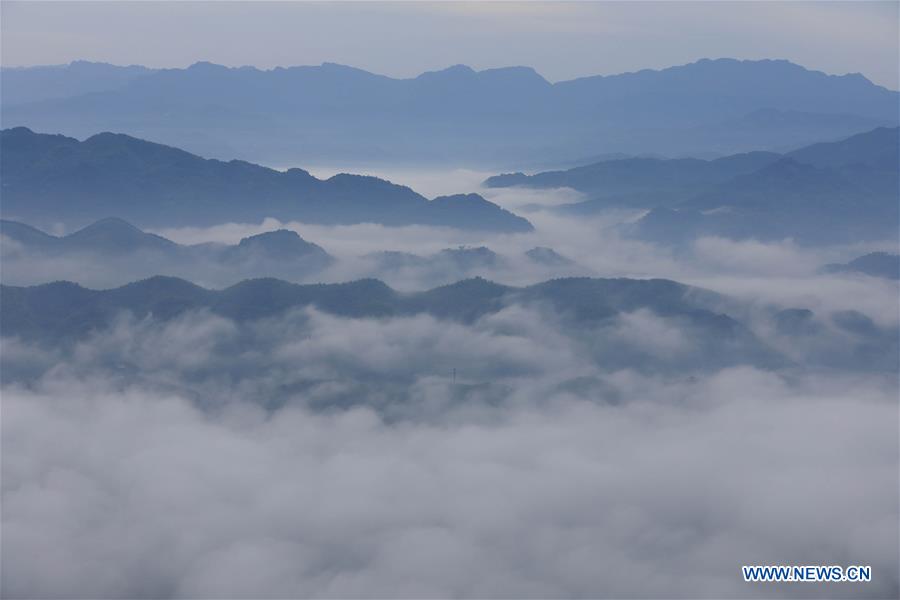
point(57, 179)
point(824, 193)
point(499, 116)
point(63, 313)
point(119, 252)
point(501, 314)
point(831, 192)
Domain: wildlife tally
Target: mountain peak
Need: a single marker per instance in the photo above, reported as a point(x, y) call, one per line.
point(19, 132)
point(109, 137)
point(280, 239)
point(515, 75)
point(157, 185)
point(548, 257)
point(205, 65)
point(458, 68)
point(278, 234)
point(116, 235)
point(877, 148)
point(281, 243)
point(333, 66)
point(470, 197)
point(473, 288)
point(454, 72)
point(470, 257)
point(110, 224)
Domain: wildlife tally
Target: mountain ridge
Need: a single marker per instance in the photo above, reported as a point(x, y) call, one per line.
point(118, 237)
point(839, 191)
point(54, 178)
point(464, 300)
point(875, 264)
point(501, 115)
point(61, 314)
point(328, 65)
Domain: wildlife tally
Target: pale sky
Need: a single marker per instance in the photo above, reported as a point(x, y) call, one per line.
point(561, 40)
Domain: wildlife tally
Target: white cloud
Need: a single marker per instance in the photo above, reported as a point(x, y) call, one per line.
point(111, 493)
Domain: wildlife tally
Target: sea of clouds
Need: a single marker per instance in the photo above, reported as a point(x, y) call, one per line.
point(317, 456)
point(309, 455)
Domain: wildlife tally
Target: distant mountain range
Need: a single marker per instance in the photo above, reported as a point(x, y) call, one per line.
point(49, 179)
point(840, 191)
point(460, 259)
point(452, 264)
point(111, 235)
point(26, 309)
point(875, 264)
point(637, 182)
point(118, 238)
point(22, 85)
point(456, 116)
point(111, 249)
point(62, 313)
point(118, 252)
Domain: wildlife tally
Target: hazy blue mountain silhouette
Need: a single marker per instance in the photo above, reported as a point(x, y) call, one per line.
point(282, 244)
point(875, 264)
point(639, 182)
point(167, 296)
point(113, 238)
point(654, 182)
point(454, 264)
point(28, 238)
point(394, 259)
point(468, 257)
point(61, 313)
point(497, 116)
point(876, 149)
point(840, 191)
point(465, 257)
point(118, 252)
point(786, 200)
point(760, 127)
point(33, 84)
point(66, 310)
point(52, 178)
point(767, 188)
point(853, 196)
point(445, 265)
point(548, 257)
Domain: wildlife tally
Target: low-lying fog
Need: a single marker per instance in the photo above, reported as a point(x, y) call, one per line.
point(317, 456)
point(783, 273)
point(780, 273)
